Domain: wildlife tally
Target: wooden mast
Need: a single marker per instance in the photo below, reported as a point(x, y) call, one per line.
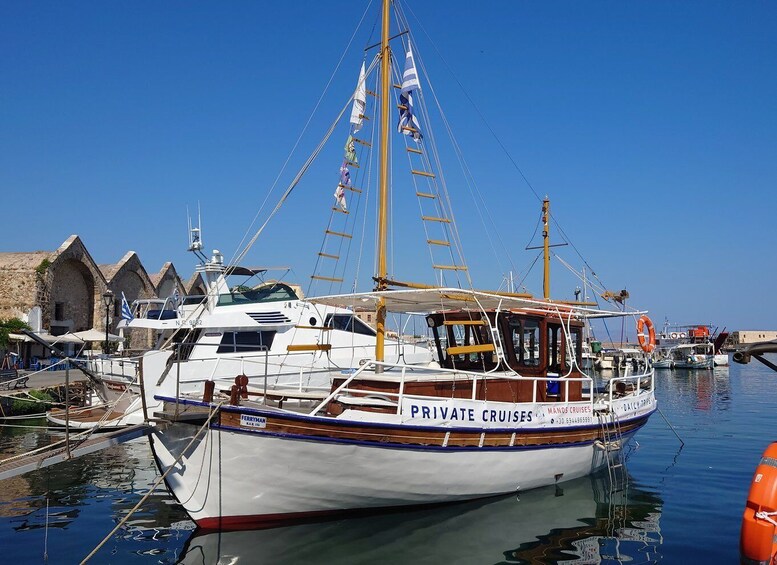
point(545, 249)
point(381, 275)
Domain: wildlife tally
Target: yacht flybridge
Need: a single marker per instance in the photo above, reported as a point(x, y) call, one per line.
point(505, 407)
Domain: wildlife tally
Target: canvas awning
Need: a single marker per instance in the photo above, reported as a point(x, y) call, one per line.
point(47, 337)
point(424, 301)
point(94, 334)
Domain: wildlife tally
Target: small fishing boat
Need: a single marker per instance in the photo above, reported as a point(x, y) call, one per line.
point(689, 347)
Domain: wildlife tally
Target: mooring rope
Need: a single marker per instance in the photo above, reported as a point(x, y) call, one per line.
point(767, 516)
point(153, 487)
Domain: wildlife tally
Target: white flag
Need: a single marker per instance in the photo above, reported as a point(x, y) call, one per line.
point(359, 102)
point(340, 197)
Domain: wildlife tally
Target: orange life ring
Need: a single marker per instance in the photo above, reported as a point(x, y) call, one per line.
point(757, 541)
point(649, 344)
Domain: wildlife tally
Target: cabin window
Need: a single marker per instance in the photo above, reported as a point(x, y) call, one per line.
point(348, 323)
point(576, 345)
point(244, 342)
point(525, 335)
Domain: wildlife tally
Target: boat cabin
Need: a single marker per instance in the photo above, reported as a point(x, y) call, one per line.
point(533, 345)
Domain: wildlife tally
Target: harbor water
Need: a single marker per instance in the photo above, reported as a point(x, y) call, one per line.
point(680, 499)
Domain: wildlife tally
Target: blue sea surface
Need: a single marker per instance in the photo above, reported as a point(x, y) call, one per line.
point(680, 500)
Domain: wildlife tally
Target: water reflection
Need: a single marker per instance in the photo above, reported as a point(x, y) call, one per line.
point(55, 496)
point(705, 390)
point(582, 519)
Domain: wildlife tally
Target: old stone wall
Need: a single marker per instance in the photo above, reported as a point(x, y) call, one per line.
point(17, 293)
point(71, 297)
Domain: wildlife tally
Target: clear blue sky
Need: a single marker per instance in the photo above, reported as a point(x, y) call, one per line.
point(652, 126)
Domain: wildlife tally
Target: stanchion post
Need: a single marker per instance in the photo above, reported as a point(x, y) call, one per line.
point(67, 408)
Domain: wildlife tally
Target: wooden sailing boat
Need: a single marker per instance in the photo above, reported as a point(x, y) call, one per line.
point(506, 408)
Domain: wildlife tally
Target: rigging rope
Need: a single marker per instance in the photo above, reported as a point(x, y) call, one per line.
point(501, 145)
point(238, 257)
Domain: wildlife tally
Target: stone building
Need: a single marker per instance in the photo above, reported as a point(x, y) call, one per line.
point(743, 337)
point(66, 284)
point(68, 287)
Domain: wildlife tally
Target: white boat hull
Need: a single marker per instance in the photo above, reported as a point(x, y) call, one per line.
point(306, 477)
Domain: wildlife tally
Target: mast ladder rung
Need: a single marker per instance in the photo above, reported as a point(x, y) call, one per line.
point(367, 143)
point(351, 188)
point(422, 173)
point(329, 279)
point(309, 347)
point(408, 128)
point(371, 93)
point(414, 150)
point(338, 209)
point(397, 86)
point(352, 164)
point(329, 256)
point(435, 219)
point(464, 323)
point(363, 117)
point(401, 107)
point(449, 267)
point(425, 195)
point(338, 234)
point(438, 242)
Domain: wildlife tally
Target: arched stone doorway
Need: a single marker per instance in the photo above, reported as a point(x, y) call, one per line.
point(71, 298)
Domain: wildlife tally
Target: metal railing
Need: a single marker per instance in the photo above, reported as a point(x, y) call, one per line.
point(475, 377)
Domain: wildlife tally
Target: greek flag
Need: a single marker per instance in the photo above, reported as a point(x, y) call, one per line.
point(408, 123)
point(126, 313)
point(175, 297)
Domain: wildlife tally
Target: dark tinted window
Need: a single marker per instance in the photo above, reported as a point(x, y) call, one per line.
point(526, 341)
point(243, 342)
point(348, 323)
point(186, 339)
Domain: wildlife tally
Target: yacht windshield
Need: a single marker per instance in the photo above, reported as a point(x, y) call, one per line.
point(245, 295)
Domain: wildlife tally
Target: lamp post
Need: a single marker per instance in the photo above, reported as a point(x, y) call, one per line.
point(108, 301)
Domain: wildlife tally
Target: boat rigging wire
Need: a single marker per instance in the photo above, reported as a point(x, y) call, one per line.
point(468, 176)
point(501, 145)
point(238, 257)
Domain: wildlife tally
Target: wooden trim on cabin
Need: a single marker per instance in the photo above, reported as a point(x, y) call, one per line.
point(309, 347)
point(465, 349)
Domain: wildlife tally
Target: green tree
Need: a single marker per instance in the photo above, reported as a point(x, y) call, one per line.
point(11, 325)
